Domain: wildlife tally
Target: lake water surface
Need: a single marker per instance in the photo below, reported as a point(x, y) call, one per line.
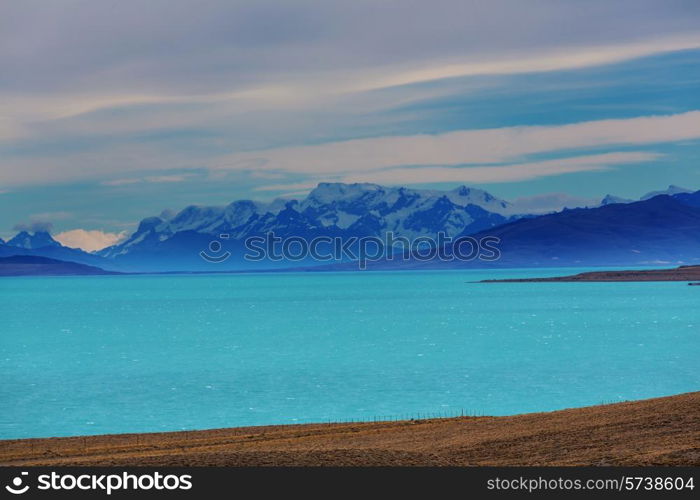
point(93, 355)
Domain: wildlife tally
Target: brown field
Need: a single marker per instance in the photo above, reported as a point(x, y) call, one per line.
point(662, 431)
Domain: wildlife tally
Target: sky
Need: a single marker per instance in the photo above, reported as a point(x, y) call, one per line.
point(113, 111)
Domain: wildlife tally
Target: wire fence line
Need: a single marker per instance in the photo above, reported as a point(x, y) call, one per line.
point(75, 445)
point(72, 445)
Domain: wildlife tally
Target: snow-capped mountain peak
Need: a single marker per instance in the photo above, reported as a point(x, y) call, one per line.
point(464, 196)
point(611, 199)
point(671, 190)
point(329, 192)
point(330, 208)
point(39, 239)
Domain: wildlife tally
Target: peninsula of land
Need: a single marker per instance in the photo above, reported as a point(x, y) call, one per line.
point(682, 273)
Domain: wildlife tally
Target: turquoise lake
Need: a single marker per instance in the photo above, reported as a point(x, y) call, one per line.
point(95, 355)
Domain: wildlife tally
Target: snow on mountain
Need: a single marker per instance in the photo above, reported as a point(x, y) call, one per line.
point(671, 190)
point(330, 209)
point(612, 199)
point(150, 231)
point(464, 196)
point(400, 209)
point(28, 241)
point(173, 241)
point(41, 244)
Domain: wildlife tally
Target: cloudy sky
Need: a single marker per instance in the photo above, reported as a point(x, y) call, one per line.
point(112, 111)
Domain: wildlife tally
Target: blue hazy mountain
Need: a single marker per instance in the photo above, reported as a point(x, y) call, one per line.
point(39, 239)
point(31, 265)
point(612, 199)
point(660, 230)
point(42, 244)
point(692, 199)
point(671, 190)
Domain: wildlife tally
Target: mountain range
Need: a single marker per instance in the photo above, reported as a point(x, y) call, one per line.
point(662, 230)
point(663, 226)
point(330, 210)
point(42, 244)
point(670, 191)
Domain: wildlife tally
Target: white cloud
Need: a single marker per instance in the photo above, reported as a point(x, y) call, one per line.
point(73, 112)
point(266, 175)
point(283, 187)
point(468, 146)
point(152, 178)
point(89, 240)
point(487, 174)
point(314, 87)
point(120, 182)
point(51, 216)
point(167, 178)
point(501, 173)
point(361, 157)
point(558, 60)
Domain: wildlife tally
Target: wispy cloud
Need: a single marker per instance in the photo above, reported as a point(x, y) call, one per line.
point(367, 158)
point(266, 175)
point(552, 60)
point(167, 178)
point(502, 173)
point(315, 88)
point(43, 221)
point(216, 87)
point(121, 182)
point(52, 216)
point(152, 178)
point(482, 174)
point(301, 186)
point(34, 226)
point(363, 157)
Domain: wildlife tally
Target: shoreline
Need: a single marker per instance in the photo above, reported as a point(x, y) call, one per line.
point(682, 273)
point(658, 431)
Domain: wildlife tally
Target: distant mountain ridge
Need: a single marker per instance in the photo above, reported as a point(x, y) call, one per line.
point(42, 244)
point(612, 199)
point(661, 230)
point(658, 230)
point(39, 239)
point(671, 190)
point(31, 265)
point(619, 231)
point(331, 209)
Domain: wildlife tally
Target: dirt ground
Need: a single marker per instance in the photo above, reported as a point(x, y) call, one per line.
point(662, 431)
